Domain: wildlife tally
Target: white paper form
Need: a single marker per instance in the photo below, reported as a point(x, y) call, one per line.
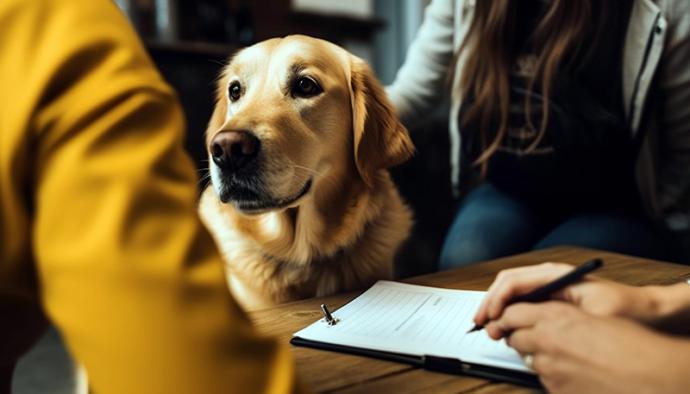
point(415, 320)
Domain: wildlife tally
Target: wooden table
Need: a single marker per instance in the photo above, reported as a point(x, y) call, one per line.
point(334, 372)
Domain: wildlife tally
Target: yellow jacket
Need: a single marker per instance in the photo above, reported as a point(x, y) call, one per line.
point(98, 226)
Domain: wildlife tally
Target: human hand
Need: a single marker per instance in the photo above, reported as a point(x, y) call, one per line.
point(594, 295)
point(576, 352)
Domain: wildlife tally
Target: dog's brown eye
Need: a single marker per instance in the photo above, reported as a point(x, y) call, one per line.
point(306, 87)
point(235, 91)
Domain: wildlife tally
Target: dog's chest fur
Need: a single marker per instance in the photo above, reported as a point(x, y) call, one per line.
point(309, 251)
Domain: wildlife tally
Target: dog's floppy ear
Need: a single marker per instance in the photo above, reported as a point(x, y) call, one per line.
point(380, 140)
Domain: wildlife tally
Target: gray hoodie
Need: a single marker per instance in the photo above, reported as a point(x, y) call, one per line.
point(656, 93)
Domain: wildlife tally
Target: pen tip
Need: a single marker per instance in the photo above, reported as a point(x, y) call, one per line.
point(475, 328)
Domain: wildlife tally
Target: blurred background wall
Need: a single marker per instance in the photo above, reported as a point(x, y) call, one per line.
point(190, 40)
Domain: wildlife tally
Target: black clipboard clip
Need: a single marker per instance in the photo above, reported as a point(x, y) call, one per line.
point(444, 364)
point(457, 366)
point(330, 320)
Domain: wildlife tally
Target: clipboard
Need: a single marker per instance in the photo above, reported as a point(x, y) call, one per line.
point(431, 363)
point(391, 309)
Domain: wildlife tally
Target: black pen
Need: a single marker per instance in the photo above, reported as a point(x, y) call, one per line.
point(544, 292)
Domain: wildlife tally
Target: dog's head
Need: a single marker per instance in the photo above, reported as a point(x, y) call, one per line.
point(293, 114)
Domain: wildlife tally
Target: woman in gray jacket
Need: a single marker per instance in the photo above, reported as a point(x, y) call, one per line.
point(569, 122)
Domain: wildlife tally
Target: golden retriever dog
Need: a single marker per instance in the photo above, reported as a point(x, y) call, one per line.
point(300, 202)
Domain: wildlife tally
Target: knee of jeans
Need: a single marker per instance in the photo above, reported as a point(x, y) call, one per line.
point(461, 253)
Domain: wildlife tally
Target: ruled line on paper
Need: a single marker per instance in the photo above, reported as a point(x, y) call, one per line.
point(413, 313)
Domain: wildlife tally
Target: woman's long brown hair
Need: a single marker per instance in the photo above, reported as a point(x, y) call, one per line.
point(490, 53)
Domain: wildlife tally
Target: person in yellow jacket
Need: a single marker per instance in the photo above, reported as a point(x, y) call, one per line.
point(98, 227)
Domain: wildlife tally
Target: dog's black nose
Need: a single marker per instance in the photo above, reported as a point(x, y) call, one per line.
point(232, 150)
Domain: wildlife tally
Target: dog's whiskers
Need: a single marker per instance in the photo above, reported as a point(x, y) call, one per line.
point(307, 169)
point(205, 177)
point(312, 171)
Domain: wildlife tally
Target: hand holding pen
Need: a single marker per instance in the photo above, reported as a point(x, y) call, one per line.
point(529, 284)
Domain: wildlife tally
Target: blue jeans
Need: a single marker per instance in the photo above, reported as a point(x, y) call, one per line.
point(491, 224)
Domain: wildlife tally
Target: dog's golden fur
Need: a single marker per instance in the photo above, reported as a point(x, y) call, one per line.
point(344, 233)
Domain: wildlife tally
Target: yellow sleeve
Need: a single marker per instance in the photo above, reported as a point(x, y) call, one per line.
point(127, 272)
